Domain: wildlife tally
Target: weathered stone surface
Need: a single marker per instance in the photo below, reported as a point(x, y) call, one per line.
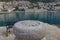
point(29, 30)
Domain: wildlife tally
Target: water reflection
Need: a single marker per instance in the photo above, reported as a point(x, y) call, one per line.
point(51, 17)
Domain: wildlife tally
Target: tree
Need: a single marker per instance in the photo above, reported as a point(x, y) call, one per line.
point(34, 1)
point(5, 0)
point(47, 1)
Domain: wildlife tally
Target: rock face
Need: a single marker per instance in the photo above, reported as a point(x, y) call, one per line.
point(29, 30)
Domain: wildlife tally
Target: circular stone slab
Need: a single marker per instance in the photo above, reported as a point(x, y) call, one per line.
point(29, 30)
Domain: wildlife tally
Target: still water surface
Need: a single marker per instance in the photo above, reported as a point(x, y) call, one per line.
point(50, 17)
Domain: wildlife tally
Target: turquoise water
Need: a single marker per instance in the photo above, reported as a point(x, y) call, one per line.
point(51, 17)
